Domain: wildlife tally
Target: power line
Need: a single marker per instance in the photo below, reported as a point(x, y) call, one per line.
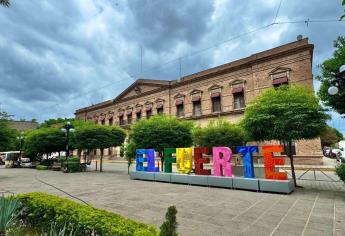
point(275, 18)
point(307, 22)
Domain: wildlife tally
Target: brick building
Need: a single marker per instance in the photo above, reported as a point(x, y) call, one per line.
point(222, 91)
point(22, 125)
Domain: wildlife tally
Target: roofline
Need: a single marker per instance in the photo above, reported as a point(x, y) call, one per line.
point(221, 69)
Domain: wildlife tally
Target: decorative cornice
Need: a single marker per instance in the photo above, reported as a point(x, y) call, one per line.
point(179, 95)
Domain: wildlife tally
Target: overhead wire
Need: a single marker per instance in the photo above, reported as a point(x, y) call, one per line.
point(266, 26)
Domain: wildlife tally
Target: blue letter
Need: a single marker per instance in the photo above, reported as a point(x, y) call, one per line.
point(248, 167)
point(139, 158)
point(151, 167)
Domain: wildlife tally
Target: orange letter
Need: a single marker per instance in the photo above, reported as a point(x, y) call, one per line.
point(270, 162)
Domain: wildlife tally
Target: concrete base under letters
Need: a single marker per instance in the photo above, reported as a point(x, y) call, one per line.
point(263, 185)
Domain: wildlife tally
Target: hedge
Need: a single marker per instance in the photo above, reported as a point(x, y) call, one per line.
point(73, 163)
point(41, 209)
point(41, 167)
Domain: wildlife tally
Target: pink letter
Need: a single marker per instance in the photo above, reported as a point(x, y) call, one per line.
point(221, 161)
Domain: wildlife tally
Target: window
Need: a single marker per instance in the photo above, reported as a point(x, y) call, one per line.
point(216, 105)
point(238, 100)
point(121, 120)
point(138, 115)
point(197, 108)
point(148, 114)
point(111, 121)
point(160, 110)
point(179, 110)
point(103, 122)
point(129, 118)
point(280, 81)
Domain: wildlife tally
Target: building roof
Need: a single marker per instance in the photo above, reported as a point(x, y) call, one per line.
point(225, 68)
point(22, 125)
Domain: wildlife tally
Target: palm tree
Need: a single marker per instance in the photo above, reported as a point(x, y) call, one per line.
point(5, 3)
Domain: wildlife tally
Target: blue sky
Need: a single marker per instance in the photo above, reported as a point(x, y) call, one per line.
point(58, 56)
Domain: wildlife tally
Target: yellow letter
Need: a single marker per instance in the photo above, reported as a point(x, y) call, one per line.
point(184, 160)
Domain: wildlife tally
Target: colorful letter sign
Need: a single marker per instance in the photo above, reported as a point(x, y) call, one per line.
point(168, 159)
point(221, 161)
point(270, 162)
point(151, 167)
point(199, 161)
point(184, 160)
point(140, 159)
point(248, 167)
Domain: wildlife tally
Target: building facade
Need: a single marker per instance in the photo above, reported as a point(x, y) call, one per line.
point(222, 91)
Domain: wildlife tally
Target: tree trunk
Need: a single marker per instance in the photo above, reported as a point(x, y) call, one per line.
point(291, 162)
point(101, 162)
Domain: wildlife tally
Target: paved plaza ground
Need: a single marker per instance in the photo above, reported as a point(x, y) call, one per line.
point(316, 209)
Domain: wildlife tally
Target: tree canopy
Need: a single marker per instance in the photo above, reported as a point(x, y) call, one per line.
point(160, 132)
point(330, 136)
point(5, 3)
point(285, 113)
point(92, 137)
point(58, 122)
point(5, 116)
point(328, 68)
point(219, 133)
point(8, 141)
point(44, 141)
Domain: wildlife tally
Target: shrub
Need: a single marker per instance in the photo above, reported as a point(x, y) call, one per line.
point(219, 133)
point(47, 162)
point(41, 167)
point(8, 208)
point(160, 132)
point(73, 164)
point(169, 226)
point(340, 170)
point(40, 209)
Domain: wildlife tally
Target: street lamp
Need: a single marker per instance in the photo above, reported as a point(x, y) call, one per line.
point(67, 129)
point(21, 141)
point(339, 82)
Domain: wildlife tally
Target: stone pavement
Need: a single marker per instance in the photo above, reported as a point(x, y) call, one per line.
point(316, 209)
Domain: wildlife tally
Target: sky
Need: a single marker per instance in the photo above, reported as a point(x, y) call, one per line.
point(59, 56)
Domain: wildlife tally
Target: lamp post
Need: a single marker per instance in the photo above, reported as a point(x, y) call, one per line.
point(67, 129)
point(339, 82)
point(21, 141)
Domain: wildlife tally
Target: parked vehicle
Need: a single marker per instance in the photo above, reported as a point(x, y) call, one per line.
point(11, 159)
point(27, 163)
point(2, 159)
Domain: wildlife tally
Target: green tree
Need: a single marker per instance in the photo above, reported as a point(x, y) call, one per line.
point(328, 68)
point(330, 136)
point(219, 133)
point(5, 116)
point(343, 16)
point(169, 226)
point(58, 122)
point(286, 114)
point(5, 3)
point(91, 137)
point(160, 132)
point(44, 141)
point(8, 141)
